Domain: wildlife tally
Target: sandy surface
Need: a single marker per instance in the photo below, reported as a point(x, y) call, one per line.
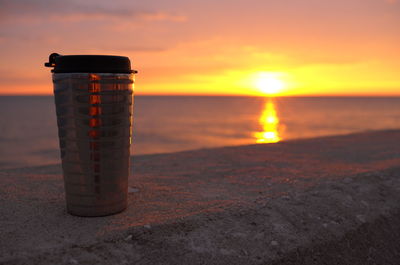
point(331, 200)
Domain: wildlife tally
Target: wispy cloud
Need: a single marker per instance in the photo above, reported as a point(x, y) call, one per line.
point(64, 11)
point(12, 77)
point(162, 16)
point(126, 49)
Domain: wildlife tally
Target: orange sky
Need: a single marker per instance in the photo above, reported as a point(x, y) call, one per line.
point(314, 47)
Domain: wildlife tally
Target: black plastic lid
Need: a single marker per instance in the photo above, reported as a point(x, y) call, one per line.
point(89, 64)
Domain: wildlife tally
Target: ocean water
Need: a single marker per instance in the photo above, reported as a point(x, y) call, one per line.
point(162, 124)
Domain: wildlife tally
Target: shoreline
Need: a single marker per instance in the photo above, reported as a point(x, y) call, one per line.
point(252, 204)
point(140, 155)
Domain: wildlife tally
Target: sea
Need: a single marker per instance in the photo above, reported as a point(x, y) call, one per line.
point(165, 124)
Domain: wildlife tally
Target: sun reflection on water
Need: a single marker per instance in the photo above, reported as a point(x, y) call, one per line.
point(270, 124)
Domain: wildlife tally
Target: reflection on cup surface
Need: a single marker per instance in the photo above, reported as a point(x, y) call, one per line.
point(94, 113)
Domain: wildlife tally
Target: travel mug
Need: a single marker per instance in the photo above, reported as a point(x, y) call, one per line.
point(94, 100)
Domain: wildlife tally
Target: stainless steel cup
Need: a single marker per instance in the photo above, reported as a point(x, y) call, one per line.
point(94, 99)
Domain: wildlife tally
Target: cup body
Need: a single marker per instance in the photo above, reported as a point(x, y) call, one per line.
point(94, 118)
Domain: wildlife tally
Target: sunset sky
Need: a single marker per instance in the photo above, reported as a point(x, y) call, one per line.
point(211, 47)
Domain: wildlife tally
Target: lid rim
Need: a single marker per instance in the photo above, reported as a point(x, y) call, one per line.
point(90, 64)
point(92, 72)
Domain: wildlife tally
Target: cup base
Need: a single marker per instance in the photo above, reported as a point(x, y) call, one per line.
point(96, 211)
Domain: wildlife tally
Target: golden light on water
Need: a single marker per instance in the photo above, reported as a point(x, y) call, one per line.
point(270, 125)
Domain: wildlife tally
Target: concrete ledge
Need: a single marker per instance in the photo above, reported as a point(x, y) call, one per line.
point(332, 200)
point(376, 242)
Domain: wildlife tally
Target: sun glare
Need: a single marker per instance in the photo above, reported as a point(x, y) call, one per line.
point(269, 84)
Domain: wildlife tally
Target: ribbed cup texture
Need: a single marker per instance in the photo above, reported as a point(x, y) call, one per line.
point(94, 118)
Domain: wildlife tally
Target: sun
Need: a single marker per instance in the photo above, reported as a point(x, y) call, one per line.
point(269, 83)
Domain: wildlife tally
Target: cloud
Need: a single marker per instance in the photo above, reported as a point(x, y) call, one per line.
point(162, 16)
point(64, 11)
point(103, 15)
point(126, 49)
point(12, 77)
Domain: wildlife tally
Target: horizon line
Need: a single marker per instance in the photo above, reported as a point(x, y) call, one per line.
point(227, 95)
